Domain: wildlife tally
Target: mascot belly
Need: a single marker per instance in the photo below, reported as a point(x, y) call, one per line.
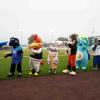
point(81, 60)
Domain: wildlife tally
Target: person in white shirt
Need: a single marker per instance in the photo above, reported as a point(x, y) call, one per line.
point(96, 57)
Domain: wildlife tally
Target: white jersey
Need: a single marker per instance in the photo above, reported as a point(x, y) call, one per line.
point(97, 50)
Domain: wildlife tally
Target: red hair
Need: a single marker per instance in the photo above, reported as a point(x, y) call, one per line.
point(36, 38)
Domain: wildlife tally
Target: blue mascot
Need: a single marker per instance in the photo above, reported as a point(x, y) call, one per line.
point(17, 55)
point(82, 55)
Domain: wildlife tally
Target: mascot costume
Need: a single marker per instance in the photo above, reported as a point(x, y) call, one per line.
point(72, 49)
point(36, 55)
point(17, 55)
point(96, 57)
point(82, 53)
point(53, 59)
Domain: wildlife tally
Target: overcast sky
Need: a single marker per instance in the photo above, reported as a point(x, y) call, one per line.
point(48, 18)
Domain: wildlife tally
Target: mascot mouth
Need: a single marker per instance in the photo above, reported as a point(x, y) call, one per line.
point(79, 56)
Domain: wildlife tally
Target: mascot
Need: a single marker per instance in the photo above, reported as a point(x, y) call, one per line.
point(82, 53)
point(35, 55)
point(96, 57)
point(72, 49)
point(53, 59)
point(17, 55)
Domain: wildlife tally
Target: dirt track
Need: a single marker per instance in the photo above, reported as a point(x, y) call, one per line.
point(84, 86)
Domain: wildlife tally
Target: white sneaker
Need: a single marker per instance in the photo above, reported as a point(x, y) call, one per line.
point(30, 73)
point(72, 73)
point(54, 72)
point(49, 71)
point(65, 71)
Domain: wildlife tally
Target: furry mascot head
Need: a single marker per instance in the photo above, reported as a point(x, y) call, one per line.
point(82, 53)
point(14, 42)
point(73, 38)
point(37, 42)
point(70, 43)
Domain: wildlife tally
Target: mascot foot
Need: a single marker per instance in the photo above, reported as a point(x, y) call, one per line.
point(19, 74)
point(84, 68)
point(10, 75)
point(54, 72)
point(78, 68)
point(95, 68)
point(72, 73)
point(65, 71)
point(36, 74)
point(30, 73)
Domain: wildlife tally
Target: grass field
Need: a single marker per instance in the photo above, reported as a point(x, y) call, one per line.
point(5, 64)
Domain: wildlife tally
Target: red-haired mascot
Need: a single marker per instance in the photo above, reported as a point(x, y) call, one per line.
point(35, 55)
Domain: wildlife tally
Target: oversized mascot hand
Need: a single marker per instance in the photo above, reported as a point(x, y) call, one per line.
point(79, 56)
point(7, 55)
point(35, 45)
point(32, 45)
point(56, 60)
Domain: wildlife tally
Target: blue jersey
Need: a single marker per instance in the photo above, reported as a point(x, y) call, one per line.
point(16, 56)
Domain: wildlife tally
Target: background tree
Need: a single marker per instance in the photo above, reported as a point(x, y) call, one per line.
point(62, 39)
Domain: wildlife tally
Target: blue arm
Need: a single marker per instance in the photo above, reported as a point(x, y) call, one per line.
point(2, 43)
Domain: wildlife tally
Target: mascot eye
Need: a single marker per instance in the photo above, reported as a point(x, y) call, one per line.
point(12, 39)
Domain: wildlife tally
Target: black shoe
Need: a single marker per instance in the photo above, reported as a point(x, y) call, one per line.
point(19, 75)
point(33, 71)
point(10, 75)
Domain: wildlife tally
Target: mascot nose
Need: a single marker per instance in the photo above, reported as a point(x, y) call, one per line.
point(79, 56)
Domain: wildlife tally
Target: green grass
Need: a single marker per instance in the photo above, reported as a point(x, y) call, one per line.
point(5, 64)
